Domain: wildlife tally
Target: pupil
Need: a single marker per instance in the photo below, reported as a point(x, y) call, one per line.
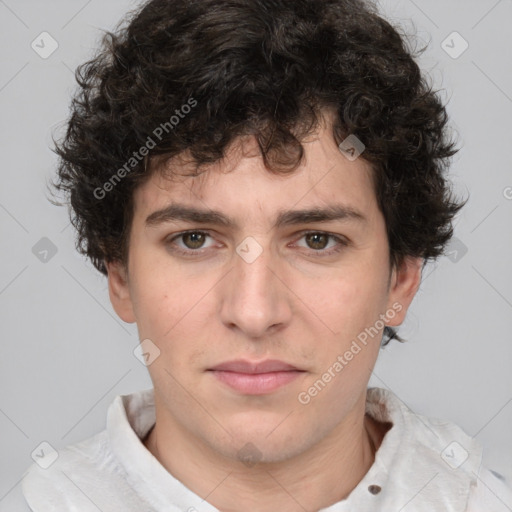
point(316, 237)
point(196, 240)
point(316, 240)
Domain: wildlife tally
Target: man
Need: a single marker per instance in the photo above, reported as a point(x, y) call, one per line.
point(262, 182)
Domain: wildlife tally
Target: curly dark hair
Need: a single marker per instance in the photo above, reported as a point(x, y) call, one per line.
point(194, 75)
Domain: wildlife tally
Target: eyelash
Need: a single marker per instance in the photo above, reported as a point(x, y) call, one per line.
point(319, 253)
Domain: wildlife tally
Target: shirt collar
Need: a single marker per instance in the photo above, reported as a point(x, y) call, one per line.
point(423, 464)
point(129, 419)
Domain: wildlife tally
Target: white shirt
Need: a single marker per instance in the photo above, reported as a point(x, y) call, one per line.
point(422, 465)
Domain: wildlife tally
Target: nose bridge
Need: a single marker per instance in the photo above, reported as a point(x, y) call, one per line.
point(254, 299)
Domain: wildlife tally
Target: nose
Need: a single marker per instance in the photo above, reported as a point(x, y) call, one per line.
point(255, 298)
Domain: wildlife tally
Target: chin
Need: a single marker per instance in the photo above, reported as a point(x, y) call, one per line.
point(251, 448)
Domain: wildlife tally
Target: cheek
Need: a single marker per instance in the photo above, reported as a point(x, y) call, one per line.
point(172, 310)
point(155, 302)
point(348, 302)
point(344, 359)
point(159, 291)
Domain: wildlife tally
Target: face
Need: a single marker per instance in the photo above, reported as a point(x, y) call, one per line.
point(262, 280)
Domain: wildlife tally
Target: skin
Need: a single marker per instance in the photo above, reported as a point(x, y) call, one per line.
point(289, 304)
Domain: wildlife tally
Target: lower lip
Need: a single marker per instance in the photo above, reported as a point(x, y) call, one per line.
point(258, 383)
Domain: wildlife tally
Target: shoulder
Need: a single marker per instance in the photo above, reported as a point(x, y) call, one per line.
point(68, 479)
point(434, 460)
point(492, 493)
point(97, 473)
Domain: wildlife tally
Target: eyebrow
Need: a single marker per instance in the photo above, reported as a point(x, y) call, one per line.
point(193, 215)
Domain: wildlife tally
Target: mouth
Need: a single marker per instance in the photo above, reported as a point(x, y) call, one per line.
point(255, 378)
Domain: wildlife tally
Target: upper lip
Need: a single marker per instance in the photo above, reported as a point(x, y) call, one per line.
point(267, 366)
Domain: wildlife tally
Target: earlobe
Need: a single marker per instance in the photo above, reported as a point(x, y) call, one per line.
point(405, 281)
point(119, 291)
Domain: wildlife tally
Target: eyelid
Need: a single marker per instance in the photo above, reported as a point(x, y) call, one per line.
point(175, 236)
point(341, 242)
point(340, 239)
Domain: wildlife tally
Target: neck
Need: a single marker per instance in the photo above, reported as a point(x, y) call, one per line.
point(323, 475)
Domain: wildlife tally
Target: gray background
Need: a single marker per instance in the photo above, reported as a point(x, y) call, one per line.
point(65, 355)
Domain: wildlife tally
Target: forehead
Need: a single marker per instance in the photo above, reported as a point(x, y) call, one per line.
point(241, 183)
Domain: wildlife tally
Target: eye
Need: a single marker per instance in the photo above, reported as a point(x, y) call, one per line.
point(191, 242)
point(318, 241)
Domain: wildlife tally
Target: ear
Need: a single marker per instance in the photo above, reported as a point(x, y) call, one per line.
point(404, 283)
point(119, 291)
